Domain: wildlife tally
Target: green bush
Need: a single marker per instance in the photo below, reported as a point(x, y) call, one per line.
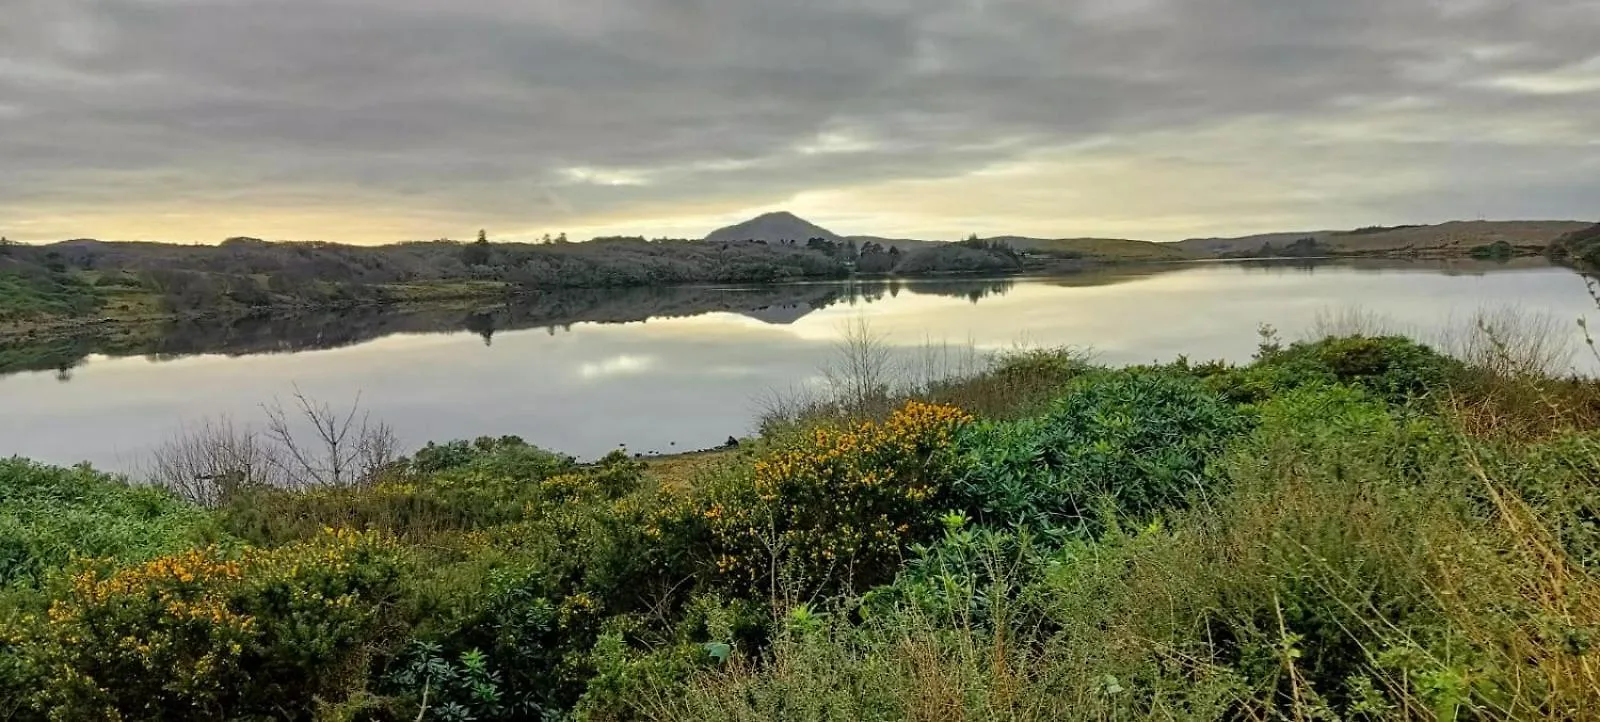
point(1497, 251)
point(491, 482)
point(1393, 367)
point(531, 594)
point(50, 514)
point(1140, 441)
point(455, 691)
point(504, 456)
point(1556, 478)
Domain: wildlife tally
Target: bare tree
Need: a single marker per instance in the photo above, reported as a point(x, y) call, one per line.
point(863, 368)
point(209, 462)
point(332, 447)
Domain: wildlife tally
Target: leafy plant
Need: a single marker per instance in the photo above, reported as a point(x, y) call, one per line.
point(1139, 441)
point(463, 690)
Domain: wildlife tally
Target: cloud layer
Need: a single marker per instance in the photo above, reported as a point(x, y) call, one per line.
point(376, 120)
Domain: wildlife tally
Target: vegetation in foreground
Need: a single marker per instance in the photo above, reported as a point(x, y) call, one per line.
point(1353, 528)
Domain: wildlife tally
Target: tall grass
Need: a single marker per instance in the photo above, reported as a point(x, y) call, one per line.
point(1514, 342)
point(1498, 340)
point(868, 376)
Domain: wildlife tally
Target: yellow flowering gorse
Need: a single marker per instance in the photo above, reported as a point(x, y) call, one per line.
point(839, 501)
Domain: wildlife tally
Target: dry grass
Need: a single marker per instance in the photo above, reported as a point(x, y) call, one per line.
point(1504, 341)
point(684, 471)
point(1106, 249)
point(869, 377)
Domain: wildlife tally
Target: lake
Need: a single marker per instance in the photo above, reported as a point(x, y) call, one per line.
point(661, 370)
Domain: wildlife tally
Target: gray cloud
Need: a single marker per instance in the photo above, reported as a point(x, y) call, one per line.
point(178, 117)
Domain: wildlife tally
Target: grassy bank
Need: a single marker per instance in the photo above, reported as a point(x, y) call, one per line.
point(1352, 528)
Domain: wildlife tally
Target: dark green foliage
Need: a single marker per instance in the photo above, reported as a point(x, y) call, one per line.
point(1497, 251)
point(1581, 247)
point(477, 253)
point(1308, 247)
point(1557, 479)
point(504, 455)
point(1138, 441)
point(957, 258)
point(1393, 367)
point(453, 691)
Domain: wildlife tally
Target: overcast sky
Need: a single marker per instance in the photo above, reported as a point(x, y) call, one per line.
point(382, 120)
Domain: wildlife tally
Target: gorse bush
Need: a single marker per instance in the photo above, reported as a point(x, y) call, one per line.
point(1139, 442)
point(208, 633)
point(1346, 571)
point(837, 505)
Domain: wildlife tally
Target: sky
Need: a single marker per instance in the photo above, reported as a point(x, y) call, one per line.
point(370, 121)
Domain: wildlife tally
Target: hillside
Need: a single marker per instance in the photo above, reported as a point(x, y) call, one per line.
point(1453, 238)
point(776, 227)
point(1100, 249)
point(1582, 245)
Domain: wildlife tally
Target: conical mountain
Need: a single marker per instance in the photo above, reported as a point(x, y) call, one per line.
point(773, 228)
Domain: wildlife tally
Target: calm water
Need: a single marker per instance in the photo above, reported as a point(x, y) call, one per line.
point(663, 370)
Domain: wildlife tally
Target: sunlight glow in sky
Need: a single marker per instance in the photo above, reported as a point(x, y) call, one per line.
point(373, 121)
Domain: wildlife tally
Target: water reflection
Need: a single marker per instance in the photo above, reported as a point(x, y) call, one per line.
point(554, 312)
point(663, 369)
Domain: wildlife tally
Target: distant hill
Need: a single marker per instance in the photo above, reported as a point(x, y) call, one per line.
point(1455, 237)
point(1100, 249)
point(773, 228)
point(1582, 245)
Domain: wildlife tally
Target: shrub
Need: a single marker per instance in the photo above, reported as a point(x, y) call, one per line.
point(836, 506)
point(454, 691)
point(1393, 367)
point(1555, 478)
point(505, 456)
point(1497, 251)
point(1140, 440)
point(493, 482)
point(531, 593)
point(209, 634)
point(49, 514)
